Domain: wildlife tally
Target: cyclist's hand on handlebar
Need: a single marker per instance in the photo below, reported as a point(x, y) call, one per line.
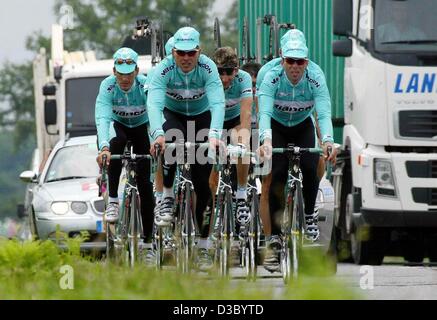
point(329, 152)
point(105, 151)
point(265, 150)
point(160, 141)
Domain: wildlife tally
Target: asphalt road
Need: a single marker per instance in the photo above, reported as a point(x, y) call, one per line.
point(391, 281)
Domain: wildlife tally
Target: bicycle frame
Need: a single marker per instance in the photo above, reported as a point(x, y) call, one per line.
point(293, 220)
point(185, 227)
point(125, 234)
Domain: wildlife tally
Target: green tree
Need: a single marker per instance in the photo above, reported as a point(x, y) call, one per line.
point(102, 25)
point(229, 27)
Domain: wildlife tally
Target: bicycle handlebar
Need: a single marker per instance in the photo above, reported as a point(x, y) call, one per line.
point(187, 145)
point(131, 156)
point(297, 150)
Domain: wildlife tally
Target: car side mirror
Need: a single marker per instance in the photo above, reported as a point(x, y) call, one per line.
point(28, 176)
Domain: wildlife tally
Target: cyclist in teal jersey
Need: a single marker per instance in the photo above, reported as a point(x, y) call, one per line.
point(288, 96)
point(238, 94)
point(121, 104)
point(158, 177)
point(187, 90)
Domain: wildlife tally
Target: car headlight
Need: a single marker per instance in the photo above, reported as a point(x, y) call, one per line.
point(59, 207)
point(384, 179)
point(79, 207)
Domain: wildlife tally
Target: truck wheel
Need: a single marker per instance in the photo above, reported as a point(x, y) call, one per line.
point(432, 249)
point(413, 247)
point(368, 245)
point(331, 255)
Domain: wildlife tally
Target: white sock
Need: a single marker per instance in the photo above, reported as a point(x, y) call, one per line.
point(113, 200)
point(168, 193)
point(241, 193)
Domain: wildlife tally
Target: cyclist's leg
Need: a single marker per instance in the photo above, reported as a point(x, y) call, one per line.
point(280, 139)
point(309, 162)
point(116, 146)
point(264, 209)
point(175, 130)
point(242, 135)
point(141, 145)
point(201, 170)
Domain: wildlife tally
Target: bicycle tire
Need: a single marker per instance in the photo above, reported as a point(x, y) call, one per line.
point(286, 254)
point(159, 243)
point(253, 237)
point(190, 229)
point(134, 228)
point(297, 230)
point(110, 243)
point(226, 234)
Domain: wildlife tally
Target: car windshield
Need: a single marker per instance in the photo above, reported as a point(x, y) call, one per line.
point(74, 162)
point(405, 26)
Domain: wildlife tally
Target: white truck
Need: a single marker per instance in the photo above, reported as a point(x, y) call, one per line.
point(386, 177)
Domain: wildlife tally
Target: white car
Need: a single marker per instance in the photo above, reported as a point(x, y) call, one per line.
point(65, 194)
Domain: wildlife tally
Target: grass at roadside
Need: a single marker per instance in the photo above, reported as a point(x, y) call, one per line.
point(32, 270)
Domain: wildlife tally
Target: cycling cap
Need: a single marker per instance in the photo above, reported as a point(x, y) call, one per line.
point(129, 59)
point(295, 48)
point(186, 38)
point(169, 46)
point(292, 35)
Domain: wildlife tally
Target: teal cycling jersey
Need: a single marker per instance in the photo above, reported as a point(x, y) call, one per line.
point(291, 104)
point(125, 107)
point(190, 94)
point(263, 71)
point(240, 88)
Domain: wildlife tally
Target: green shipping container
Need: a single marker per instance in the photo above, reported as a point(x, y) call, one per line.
point(314, 18)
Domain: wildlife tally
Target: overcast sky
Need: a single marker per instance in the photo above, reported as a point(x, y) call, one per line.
point(18, 18)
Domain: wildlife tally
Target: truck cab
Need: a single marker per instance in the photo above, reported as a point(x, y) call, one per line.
point(386, 177)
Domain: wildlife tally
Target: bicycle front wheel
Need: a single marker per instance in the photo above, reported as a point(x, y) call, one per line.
point(297, 229)
point(134, 233)
point(252, 239)
point(226, 234)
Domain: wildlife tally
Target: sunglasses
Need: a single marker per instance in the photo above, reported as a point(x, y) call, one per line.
point(299, 62)
point(127, 61)
point(182, 53)
point(225, 71)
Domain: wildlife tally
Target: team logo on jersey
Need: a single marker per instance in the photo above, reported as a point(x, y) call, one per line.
point(293, 106)
point(206, 67)
point(167, 70)
point(312, 81)
point(128, 111)
point(275, 80)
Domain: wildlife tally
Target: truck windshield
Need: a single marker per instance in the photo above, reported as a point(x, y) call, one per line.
point(405, 26)
point(81, 94)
